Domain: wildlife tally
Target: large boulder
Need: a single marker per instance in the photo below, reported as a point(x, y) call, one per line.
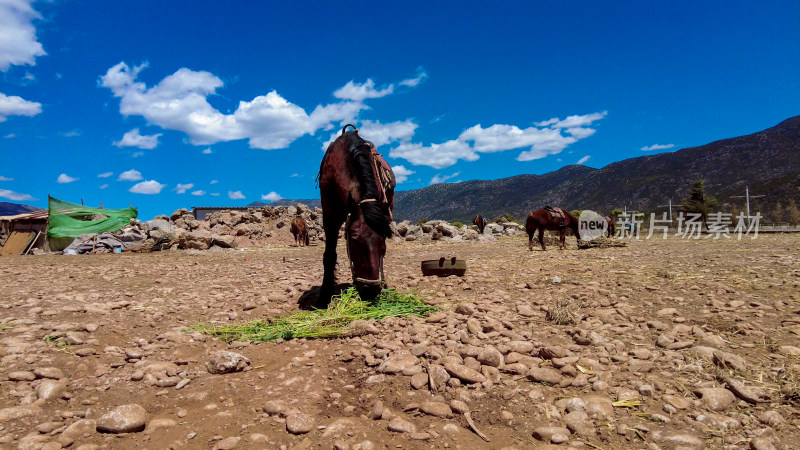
point(494, 228)
point(447, 230)
point(178, 213)
point(224, 241)
point(196, 240)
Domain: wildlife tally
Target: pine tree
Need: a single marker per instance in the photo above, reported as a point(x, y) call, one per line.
point(734, 214)
point(777, 213)
point(792, 214)
point(699, 202)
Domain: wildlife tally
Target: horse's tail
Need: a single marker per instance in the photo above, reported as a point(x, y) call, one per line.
point(375, 210)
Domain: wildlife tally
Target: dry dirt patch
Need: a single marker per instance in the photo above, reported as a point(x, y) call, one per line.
point(669, 323)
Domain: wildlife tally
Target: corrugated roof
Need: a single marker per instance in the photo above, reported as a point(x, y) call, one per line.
point(41, 214)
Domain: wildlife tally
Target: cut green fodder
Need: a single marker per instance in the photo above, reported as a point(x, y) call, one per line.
point(343, 310)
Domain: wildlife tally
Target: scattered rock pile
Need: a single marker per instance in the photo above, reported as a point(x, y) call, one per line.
point(231, 229)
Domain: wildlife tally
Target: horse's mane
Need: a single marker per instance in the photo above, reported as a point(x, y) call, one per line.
point(376, 214)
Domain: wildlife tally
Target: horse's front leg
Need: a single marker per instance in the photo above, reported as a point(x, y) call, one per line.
point(329, 259)
point(541, 238)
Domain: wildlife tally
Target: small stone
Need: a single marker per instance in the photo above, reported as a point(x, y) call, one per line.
point(227, 443)
point(544, 375)
point(400, 361)
point(21, 375)
point(223, 362)
point(725, 360)
point(677, 402)
point(51, 389)
point(76, 431)
point(490, 356)
point(464, 373)
point(436, 409)
point(160, 423)
point(377, 410)
point(715, 399)
point(49, 372)
point(274, 407)
point(419, 381)
point(299, 423)
point(123, 419)
point(545, 434)
point(400, 425)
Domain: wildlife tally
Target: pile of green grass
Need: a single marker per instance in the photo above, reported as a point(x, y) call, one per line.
point(323, 323)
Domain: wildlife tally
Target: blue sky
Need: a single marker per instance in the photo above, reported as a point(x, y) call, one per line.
point(175, 104)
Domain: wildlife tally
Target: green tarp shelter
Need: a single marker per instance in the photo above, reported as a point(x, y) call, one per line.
point(68, 220)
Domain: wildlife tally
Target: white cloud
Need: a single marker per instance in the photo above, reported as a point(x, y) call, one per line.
point(105, 174)
point(207, 151)
point(573, 121)
point(9, 136)
point(182, 188)
point(199, 193)
point(64, 179)
point(16, 106)
point(657, 147)
point(359, 92)
point(581, 133)
point(15, 196)
point(2, 178)
point(179, 102)
point(134, 139)
point(18, 44)
point(546, 138)
point(441, 179)
point(401, 174)
point(271, 197)
point(147, 187)
point(235, 195)
point(103, 186)
point(214, 182)
point(295, 175)
point(130, 175)
point(72, 133)
point(413, 82)
point(584, 159)
point(437, 156)
point(215, 194)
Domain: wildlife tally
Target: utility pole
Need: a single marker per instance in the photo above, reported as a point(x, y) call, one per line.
point(670, 209)
point(747, 196)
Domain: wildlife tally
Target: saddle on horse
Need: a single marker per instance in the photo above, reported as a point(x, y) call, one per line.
point(558, 214)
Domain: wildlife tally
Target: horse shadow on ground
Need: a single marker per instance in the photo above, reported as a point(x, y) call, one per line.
point(310, 299)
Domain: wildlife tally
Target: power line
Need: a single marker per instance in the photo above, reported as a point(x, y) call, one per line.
point(748, 197)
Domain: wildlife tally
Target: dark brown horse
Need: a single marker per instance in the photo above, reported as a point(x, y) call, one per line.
point(299, 231)
point(357, 187)
point(612, 229)
point(551, 219)
point(480, 222)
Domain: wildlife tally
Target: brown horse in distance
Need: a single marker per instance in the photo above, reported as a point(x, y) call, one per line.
point(543, 219)
point(357, 187)
point(299, 231)
point(611, 226)
point(480, 222)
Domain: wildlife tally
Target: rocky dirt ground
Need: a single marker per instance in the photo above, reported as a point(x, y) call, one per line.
point(703, 335)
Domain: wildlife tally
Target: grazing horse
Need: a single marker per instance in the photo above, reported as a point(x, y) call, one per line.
point(480, 222)
point(357, 187)
point(299, 231)
point(611, 226)
point(550, 219)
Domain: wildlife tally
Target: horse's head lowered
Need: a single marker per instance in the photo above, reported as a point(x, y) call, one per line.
point(369, 223)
